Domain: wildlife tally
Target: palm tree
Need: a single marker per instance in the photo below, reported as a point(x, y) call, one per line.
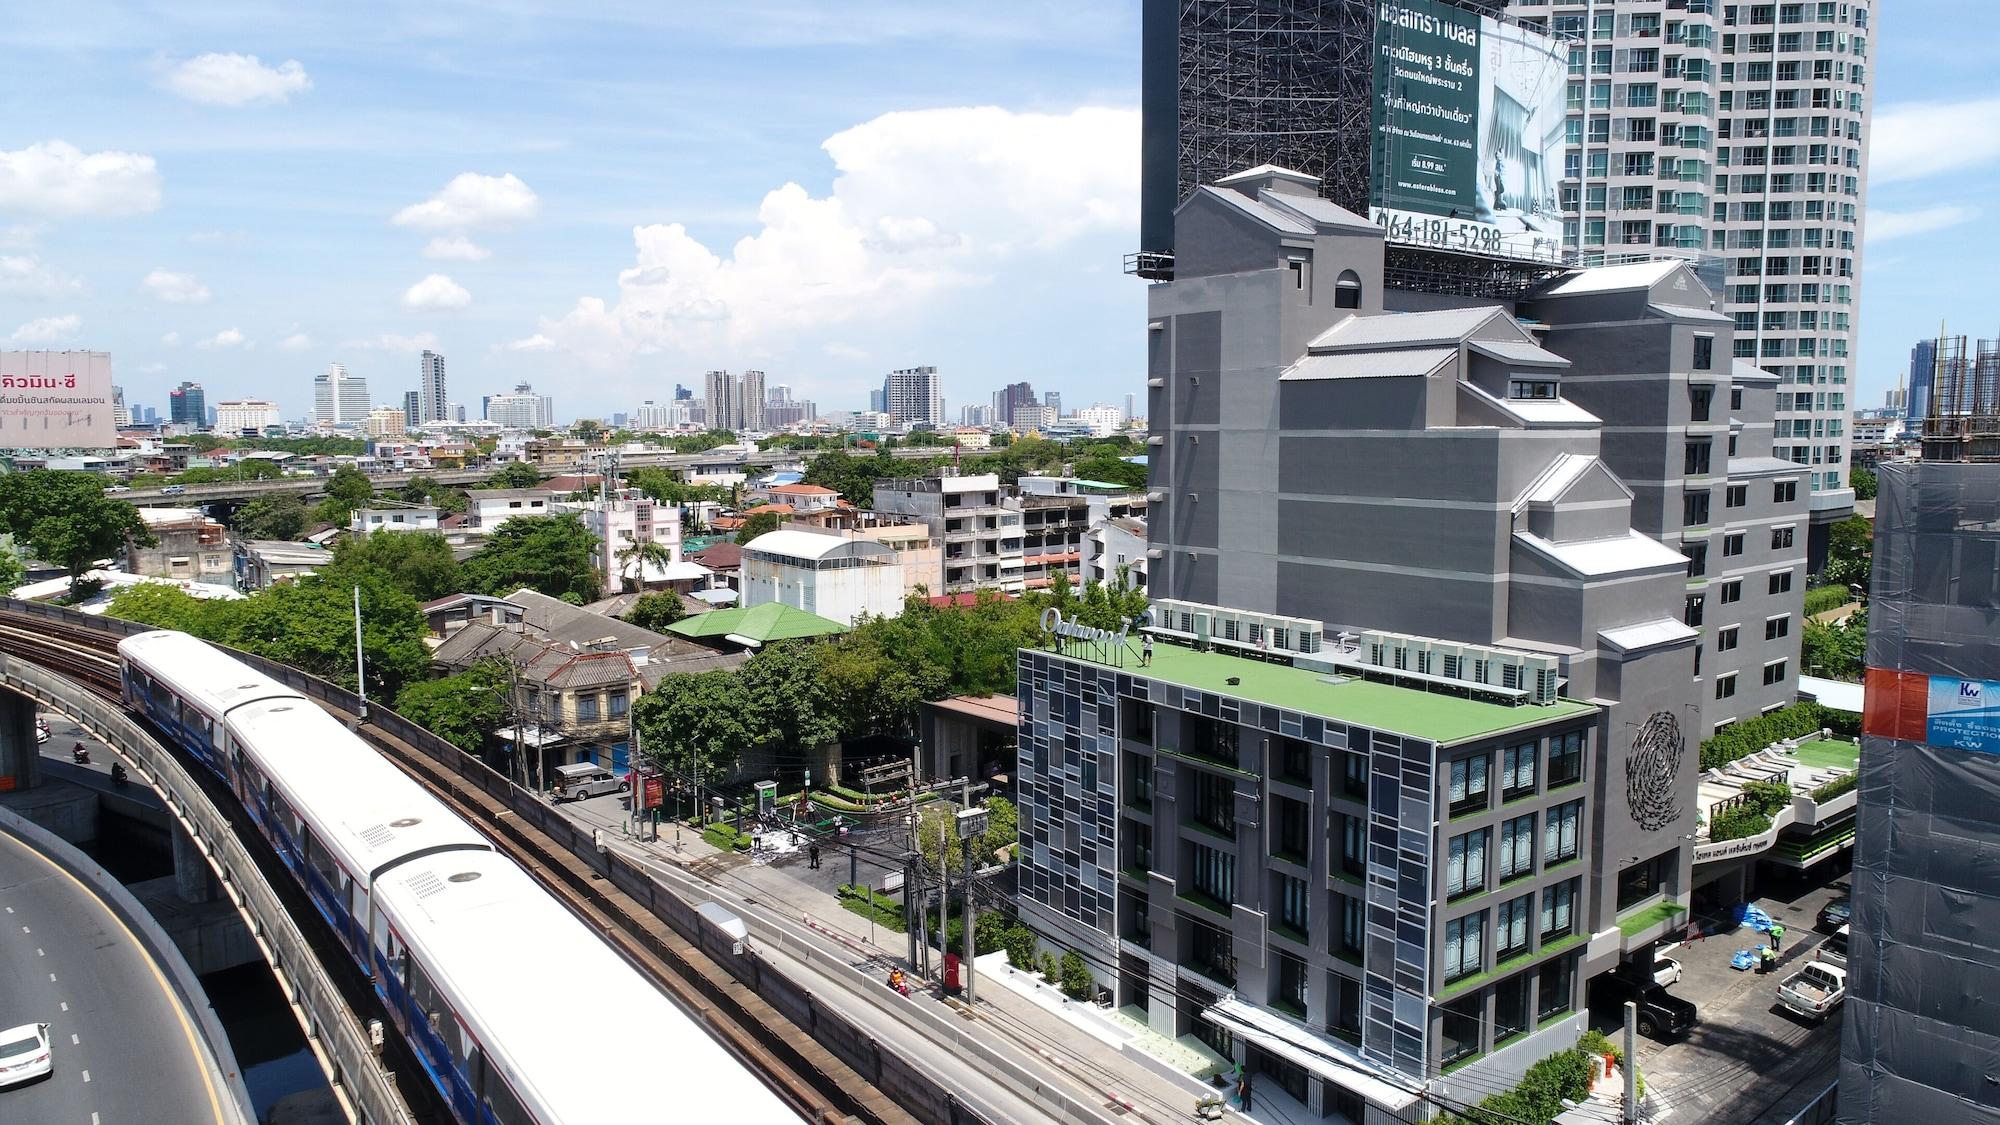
point(635, 556)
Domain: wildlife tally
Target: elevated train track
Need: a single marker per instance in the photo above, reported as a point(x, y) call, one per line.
point(818, 1083)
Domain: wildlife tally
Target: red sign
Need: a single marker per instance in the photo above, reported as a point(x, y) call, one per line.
point(653, 795)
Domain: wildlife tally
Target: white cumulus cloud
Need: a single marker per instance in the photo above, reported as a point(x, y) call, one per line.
point(1884, 226)
point(436, 292)
point(227, 338)
point(472, 200)
point(235, 80)
point(457, 248)
point(296, 342)
point(535, 343)
point(47, 329)
point(394, 342)
point(922, 202)
point(29, 277)
point(59, 180)
point(174, 288)
point(1918, 140)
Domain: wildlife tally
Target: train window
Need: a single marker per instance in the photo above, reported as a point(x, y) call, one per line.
point(324, 863)
point(500, 1100)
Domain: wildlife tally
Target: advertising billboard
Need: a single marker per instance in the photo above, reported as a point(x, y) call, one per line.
point(56, 400)
point(1468, 131)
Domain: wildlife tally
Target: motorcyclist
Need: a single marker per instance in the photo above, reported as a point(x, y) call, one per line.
point(897, 982)
point(117, 773)
point(80, 754)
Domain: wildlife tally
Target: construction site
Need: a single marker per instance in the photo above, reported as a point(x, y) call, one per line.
point(1963, 421)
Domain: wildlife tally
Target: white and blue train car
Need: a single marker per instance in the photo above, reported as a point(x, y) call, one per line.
point(517, 1011)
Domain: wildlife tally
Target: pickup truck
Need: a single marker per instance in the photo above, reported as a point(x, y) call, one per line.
point(1661, 1013)
point(1814, 991)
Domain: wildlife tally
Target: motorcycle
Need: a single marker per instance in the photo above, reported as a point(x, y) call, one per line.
point(117, 774)
point(79, 754)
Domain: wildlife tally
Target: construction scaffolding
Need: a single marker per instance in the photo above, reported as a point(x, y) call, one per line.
point(1963, 421)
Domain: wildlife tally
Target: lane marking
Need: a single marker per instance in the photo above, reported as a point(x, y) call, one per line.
point(39, 953)
point(65, 1004)
point(73, 1040)
point(52, 978)
point(159, 978)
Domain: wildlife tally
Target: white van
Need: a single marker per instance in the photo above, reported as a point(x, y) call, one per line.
point(585, 779)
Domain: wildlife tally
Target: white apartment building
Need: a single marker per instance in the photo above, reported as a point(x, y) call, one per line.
point(339, 399)
point(402, 517)
point(834, 576)
point(914, 396)
point(522, 409)
point(631, 517)
point(236, 416)
point(432, 402)
point(1737, 131)
point(385, 421)
point(982, 536)
point(488, 508)
point(1103, 420)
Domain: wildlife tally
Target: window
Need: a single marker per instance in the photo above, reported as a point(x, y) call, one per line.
point(1347, 290)
point(1691, 610)
point(1510, 1009)
point(1517, 770)
point(1138, 721)
point(1465, 865)
point(1731, 591)
point(1517, 847)
point(1556, 981)
point(1695, 458)
point(1781, 538)
point(1460, 1028)
point(1774, 673)
point(1212, 872)
point(1215, 802)
point(1295, 761)
point(1353, 931)
point(1700, 398)
point(1294, 829)
point(1354, 775)
point(1697, 557)
point(1736, 495)
point(1704, 353)
point(620, 704)
point(586, 708)
point(1468, 784)
point(1212, 953)
point(1294, 913)
point(1780, 582)
point(1732, 545)
point(1784, 492)
point(1353, 844)
point(1694, 508)
point(1725, 686)
point(1464, 946)
point(1565, 759)
point(1775, 627)
point(1642, 881)
point(1559, 835)
point(1510, 927)
point(1540, 390)
point(1138, 780)
point(1212, 740)
point(1289, 991)
point(1726, 640)
point(1558, 911)
point(1345, 1023)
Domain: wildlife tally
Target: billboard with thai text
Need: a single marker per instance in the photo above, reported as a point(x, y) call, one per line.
point(56, 400)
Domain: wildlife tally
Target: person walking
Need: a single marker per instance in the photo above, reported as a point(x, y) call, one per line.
point(1777, 936)
point(812, 855)
point(1243, 1092)
point(1146, 651)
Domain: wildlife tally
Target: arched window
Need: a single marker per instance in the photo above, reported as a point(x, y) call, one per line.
point(1347, 290)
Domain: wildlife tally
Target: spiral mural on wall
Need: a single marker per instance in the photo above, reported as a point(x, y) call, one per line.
point(1651, 770)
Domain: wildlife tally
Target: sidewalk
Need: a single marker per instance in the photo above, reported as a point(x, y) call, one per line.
point(1099, 1049)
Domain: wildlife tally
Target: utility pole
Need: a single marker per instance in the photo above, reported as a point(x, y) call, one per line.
point(360, 667)
point(1631, 1063)
point(912, 912)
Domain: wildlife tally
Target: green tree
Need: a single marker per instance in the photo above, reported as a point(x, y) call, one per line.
point(516, 474)
point(787, 700)
point(462, 708)
point(656, 611)
point(635, 556)
point(277, 515)
point(351, 485)
point(1108, 468)
point(697, 722)
point(12, 572)
point(1862, 481)
point(310, 626)
point(587, 429)
point(1848, 553)
point(854, 476)
point(555, 555)
point(419, 563)
point(1836, 650)
point(160, 605)
point(66, 519)
point(1101, 605)
point(759, 524)
point(937, 824)
point(426, 490)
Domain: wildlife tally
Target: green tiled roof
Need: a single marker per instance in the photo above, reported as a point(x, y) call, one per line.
point(1435, 717)
point(760, 623)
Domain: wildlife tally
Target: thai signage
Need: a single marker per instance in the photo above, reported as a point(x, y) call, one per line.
point(1964, 714)
point(1469, 137)
point(56, 400)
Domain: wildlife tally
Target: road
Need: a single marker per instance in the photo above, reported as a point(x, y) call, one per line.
point(126, 1048)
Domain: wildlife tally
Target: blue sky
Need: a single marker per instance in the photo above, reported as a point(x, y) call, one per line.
point(611, 202)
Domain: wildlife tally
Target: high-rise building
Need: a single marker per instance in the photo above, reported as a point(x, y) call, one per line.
point(1923, 958)
point(152, 416)
point(723, 413)
point(187, 405)
point(1131, 403)
point(1053, 400)
point(1923, 368)
point(339, 399)
point(246, 416)
point(750, 401)
point(121, 415)
point(682, 394)
point(521, 409)
point(914, 396)
point(432, 401)
point(413, 408)
point(1740, 132)
point(1007, 398)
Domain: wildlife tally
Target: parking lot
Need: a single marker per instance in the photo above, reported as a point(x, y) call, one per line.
point(1748, 1061)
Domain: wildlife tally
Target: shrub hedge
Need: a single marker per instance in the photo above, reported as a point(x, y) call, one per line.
point(1741, 821)
point(1740, 740)
point(1836, 787)
point(1819, 599)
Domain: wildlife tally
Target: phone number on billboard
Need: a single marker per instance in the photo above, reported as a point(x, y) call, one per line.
point(1446, 234)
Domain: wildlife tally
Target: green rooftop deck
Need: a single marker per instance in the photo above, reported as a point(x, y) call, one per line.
point(1825, 753)
point(1434, 717)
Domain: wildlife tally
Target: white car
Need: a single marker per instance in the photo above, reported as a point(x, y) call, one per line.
point(1666, 971)
point(25, 1053)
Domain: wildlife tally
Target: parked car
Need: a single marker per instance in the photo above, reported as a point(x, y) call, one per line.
point(118, 488)
point(1835, 914)
point(1661, 1013)
point(173, 490)
point(25, 1053)
point(1834, 951)
point(1666, 971)
point(1814, 991)
point(576, 782)
point(41, 730)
